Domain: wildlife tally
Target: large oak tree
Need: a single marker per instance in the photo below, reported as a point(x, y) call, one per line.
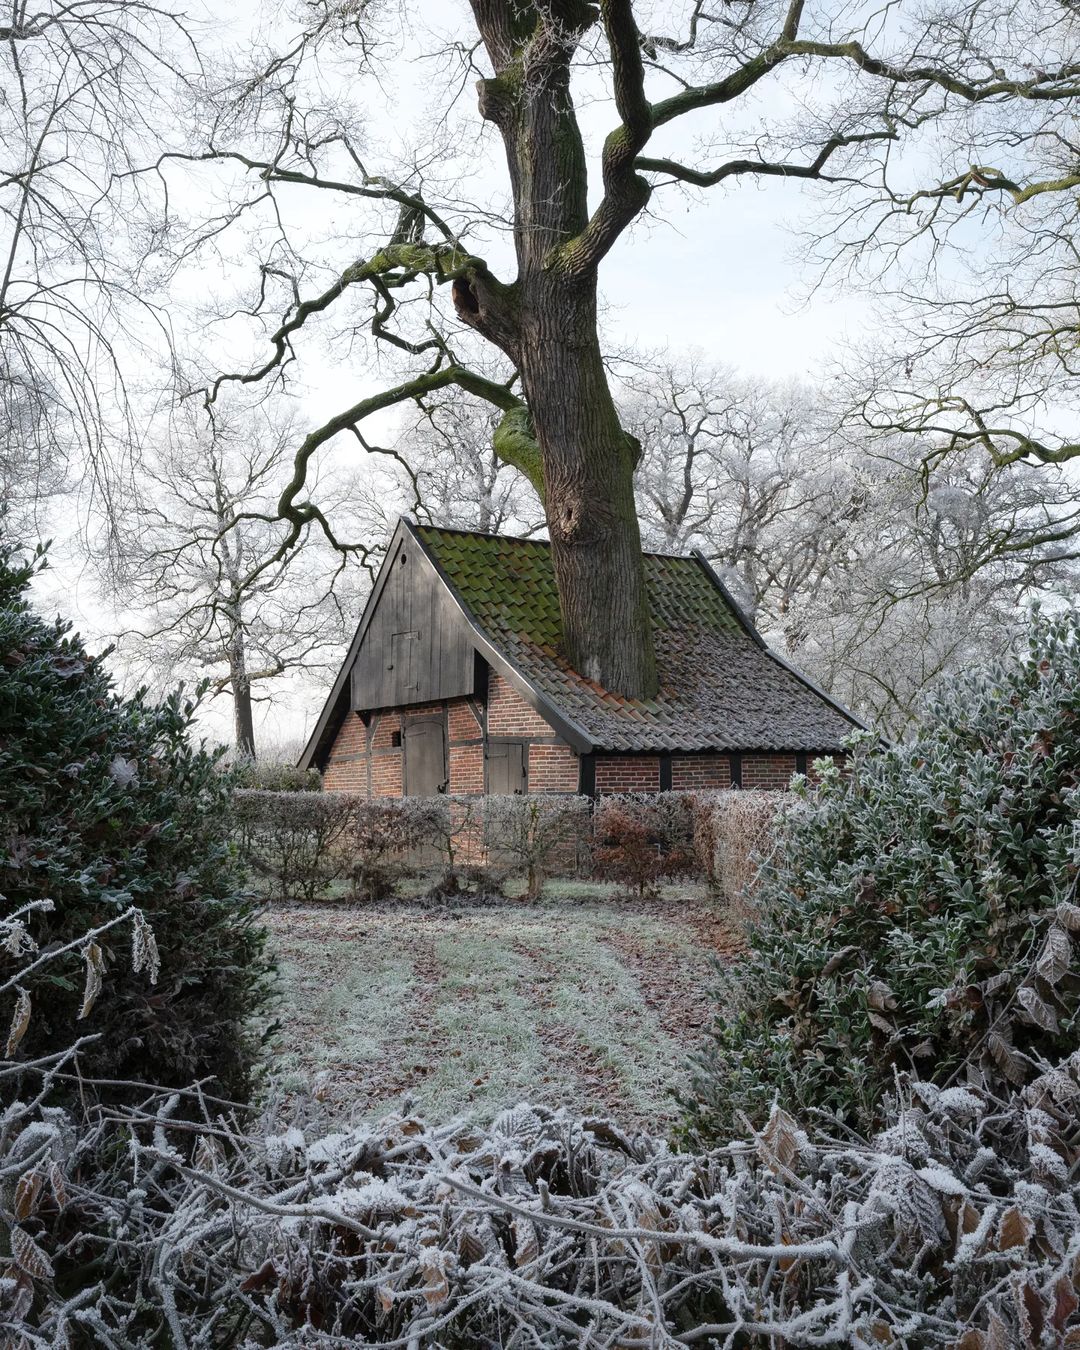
point(793, 90)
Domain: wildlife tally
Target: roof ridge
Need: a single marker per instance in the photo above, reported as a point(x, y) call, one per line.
point(532, 539)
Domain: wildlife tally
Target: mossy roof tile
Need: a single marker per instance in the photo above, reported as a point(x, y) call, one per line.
point(720, 688)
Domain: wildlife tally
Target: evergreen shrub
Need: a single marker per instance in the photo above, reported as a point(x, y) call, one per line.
point(919, 915)
point(106, 807)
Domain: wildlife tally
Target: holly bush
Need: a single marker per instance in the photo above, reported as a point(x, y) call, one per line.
point(918, 915)
point(108, 806)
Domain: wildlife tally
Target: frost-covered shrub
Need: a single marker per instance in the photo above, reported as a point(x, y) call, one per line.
point(296, 842)
point(106, 807)
point(643, 839)
point(957, 1227)
point(919, 914)
point(455, 845)
point(732, 831)
point(268, 776)
point(536, 836)
point(386, 839)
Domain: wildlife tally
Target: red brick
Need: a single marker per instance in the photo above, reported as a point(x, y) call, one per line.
point(767, 771)
point(467, 769)
point(699, 773)
point(553, 768)
point(508, 714)
point(347, 765)
point(627, 773)
point(462, 722)
point(386, 775)
point(385, 725)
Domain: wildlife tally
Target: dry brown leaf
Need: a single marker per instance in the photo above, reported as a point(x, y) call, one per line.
point(1006, 1057)
point(526, 1246)
point(436, 1288)
point(27, 1191)
point(58, 1183)
point(997, 1334)
point(1056, 955)
point(779, 1141)
point(1065, 1303)
point(1037, 1008)
point(95, 964)
point(29, 1256)
point(20, 1020)
point(972, 1339)
point(1068, 916)
point(1014, 1230)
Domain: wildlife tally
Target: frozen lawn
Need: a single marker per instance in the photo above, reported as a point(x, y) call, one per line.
point(590, 1002)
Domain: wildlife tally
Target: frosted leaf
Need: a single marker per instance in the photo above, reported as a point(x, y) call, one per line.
point(144, 949)
point(1069, 916)
point(942, 1180)
point(123, 772)
point(779, 1141)
point(1056, 955)
point(958, 1101)
point(20, 1020)
point(1037, 1008)
point(17, 941)
point(331, 1149)
point(371, 1194)
point(1015, 1230)
point(1006, 1057)
point(1045, 1162)
point(283, 1150)
point(95, 965)
point(29, 1256)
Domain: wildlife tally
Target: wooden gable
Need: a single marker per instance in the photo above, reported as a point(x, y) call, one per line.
point(416, 647)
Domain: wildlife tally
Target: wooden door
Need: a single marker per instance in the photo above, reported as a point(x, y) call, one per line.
point(424, 743)
point(506, 761)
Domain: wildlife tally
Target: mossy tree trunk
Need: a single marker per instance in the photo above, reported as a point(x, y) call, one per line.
point(546, 322)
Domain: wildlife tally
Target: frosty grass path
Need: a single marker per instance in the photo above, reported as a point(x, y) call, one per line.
point(589, 1003)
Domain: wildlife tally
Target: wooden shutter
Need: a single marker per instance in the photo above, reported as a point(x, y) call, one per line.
point(506, 762)
point(424, 741)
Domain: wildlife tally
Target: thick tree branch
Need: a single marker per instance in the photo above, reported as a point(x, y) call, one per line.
point(402, 261)
point(764, 168)
point(625, 191)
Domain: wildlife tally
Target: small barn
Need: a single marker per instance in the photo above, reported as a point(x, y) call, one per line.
point(455, 682)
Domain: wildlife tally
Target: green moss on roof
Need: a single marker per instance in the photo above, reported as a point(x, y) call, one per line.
point(509, 584)
point(719, 689)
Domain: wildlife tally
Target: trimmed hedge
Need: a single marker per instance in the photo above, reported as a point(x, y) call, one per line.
point(306, 846)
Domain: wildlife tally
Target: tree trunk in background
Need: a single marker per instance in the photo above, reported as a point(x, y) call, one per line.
point(243, 719)
point(546, 322)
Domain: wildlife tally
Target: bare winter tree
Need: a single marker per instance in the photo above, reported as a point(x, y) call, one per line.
point(189, 562)
point(849, 86)
point(77, 83)
point(977, 263)
point(871, 581)
point(748, 470)
point(443, 468)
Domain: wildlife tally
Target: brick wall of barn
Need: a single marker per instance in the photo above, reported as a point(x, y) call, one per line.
point(365, 759)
